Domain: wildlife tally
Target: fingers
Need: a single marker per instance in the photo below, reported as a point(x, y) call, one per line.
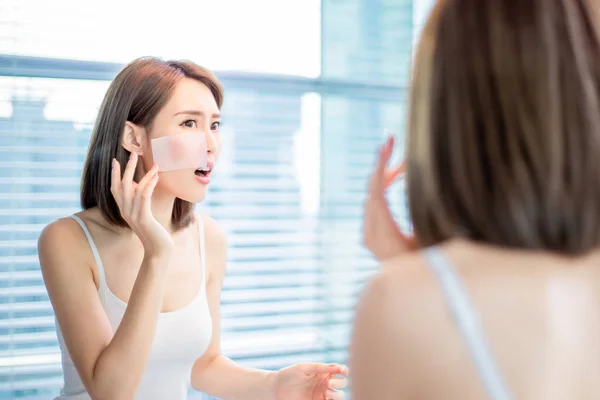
point(385, 153)
point(378, 181)
point(383, 177)
point(392, 174)
point(127, 184)
point(338, 383)
point(115, 182)
point(131, 197)
point(130, 168)
point(148, 190)
point(334, 395)
point(320, 368)
point(148, 177)
point(340, 369)
point(143, 191)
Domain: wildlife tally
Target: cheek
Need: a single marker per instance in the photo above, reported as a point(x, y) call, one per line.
point(176, 148)
point(176, 182)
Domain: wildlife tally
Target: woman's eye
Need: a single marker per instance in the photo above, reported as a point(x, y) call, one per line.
point(215, 126)
point(190, 123)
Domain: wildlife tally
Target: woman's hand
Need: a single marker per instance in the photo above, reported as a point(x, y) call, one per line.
point(134, 201)
point(381, 234)
point(310, 381)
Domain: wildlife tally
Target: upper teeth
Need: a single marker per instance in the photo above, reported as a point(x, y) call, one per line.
point(204, 169)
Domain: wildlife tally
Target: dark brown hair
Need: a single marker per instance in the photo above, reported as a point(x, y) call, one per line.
point(136, 94)
point(504, 125)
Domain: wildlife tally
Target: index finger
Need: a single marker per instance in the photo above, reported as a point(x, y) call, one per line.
point(115, 180)
point(130, 168)
point(385, 153)
point(320, 368)
point(377, 182)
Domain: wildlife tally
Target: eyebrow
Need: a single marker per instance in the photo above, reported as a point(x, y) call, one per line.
point(198, 113)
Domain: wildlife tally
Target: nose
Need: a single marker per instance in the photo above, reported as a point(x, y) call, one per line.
point(211, 142)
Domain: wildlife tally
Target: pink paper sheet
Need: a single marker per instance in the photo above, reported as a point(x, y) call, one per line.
point(181, 151)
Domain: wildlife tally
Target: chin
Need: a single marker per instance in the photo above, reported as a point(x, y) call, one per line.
point(192, 192)
point(184, 186)
point(193, 196)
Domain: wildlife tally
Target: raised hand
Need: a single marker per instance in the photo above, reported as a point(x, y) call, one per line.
point(311, 381)
point(381, 234)
point(134, 201)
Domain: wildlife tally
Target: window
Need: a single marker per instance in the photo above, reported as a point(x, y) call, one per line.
point(302, 123)
point(220, 35)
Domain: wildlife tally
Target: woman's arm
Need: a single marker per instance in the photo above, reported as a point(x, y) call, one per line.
point(110, 367)
point(214, 373)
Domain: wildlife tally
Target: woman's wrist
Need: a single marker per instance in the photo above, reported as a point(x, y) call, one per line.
point(159, 259)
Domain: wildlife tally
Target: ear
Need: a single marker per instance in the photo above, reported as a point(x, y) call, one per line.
point(134, 138)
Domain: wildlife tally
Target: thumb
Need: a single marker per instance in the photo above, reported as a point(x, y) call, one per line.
point(391, 176)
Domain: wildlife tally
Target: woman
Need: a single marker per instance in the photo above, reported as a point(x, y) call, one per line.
point(135, 278)
point(498, 293)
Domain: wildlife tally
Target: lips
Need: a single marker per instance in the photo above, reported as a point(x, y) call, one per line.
point(204, 171)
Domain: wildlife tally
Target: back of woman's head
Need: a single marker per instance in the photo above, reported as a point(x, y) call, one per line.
point(504, 125)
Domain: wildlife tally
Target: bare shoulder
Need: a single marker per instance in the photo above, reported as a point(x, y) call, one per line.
point(399, 278)
point(63, 227)
point(388, 316)
point(409, 274)
point(216, 247)
point(61, 239)
point(404, 295)
point(393, 289)
point(215, 235)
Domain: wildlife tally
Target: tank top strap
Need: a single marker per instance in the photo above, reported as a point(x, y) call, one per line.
point(467, 321)
point(202, 236)
point(95, 252)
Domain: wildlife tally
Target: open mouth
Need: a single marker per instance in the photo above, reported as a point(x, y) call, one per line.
point(205, 171)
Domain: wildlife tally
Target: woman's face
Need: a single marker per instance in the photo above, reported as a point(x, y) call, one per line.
point(191, 109)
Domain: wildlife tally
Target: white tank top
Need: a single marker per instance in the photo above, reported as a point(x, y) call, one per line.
point(182, 336)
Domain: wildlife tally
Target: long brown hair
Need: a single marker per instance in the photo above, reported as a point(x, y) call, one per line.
point(504, 125)
point(136, 95)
